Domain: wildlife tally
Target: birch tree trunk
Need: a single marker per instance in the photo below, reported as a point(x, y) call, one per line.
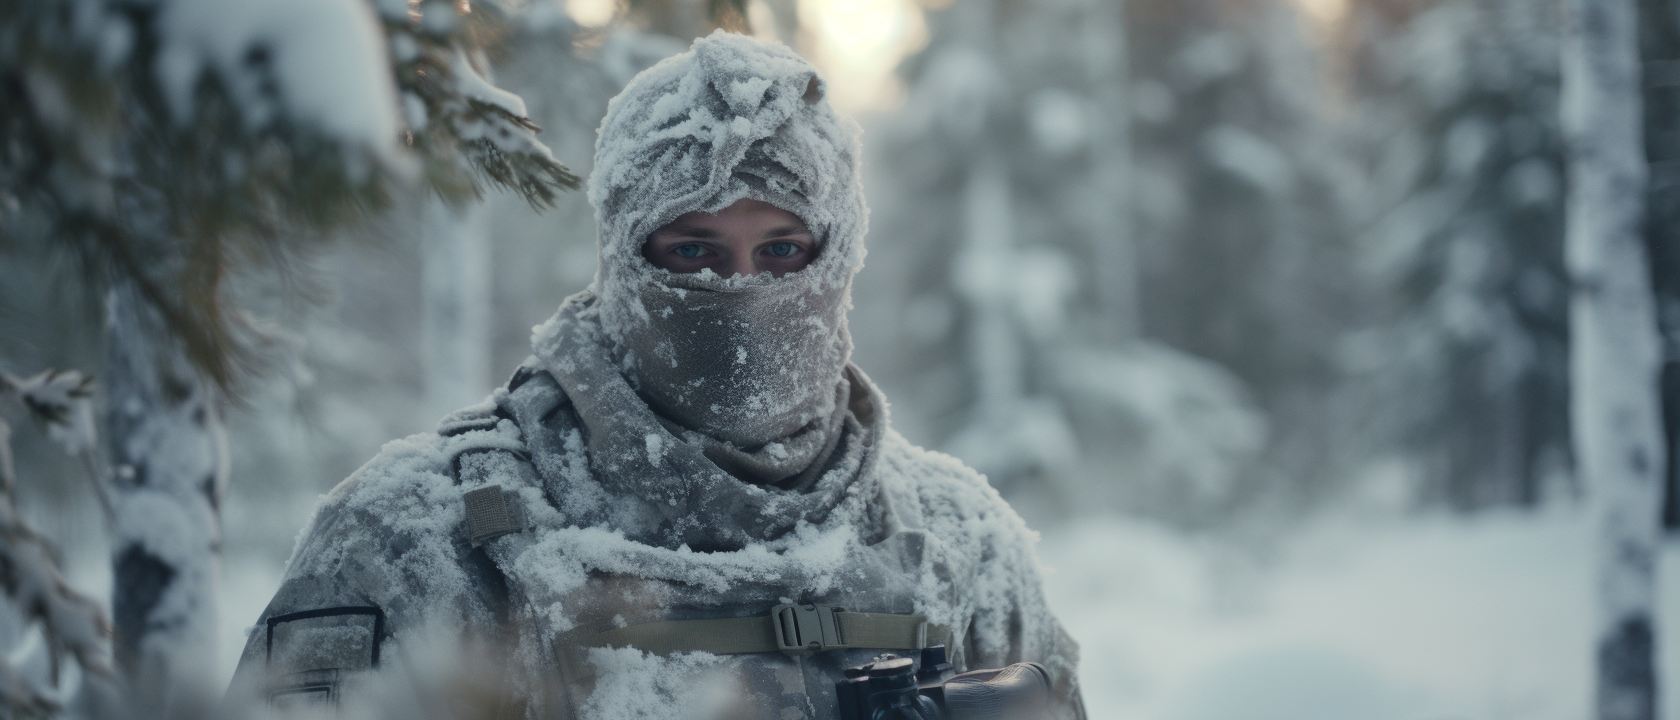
point(1613, 341)
point(455, 310)
point(169, 462)
point(1659, 55)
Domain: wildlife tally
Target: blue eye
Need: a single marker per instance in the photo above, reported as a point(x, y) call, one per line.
point(782, 249)
point(688, 251)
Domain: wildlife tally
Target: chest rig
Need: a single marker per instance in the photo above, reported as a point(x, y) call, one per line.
point(787, 638)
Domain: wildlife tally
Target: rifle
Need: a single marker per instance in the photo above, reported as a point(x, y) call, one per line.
point(899, 688)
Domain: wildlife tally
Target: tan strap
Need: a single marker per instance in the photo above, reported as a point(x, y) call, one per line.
point(723, 636)
point(885, 631)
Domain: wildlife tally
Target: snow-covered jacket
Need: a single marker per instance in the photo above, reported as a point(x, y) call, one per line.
point(677, 448)
point(915, 533)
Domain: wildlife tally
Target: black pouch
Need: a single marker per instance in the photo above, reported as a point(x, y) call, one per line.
point(312, 653)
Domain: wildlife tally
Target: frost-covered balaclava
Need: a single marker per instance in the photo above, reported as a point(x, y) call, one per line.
point(715, 412)
point(748, 361)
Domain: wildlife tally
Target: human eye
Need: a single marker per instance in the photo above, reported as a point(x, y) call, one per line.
point(688, 251)
point(782, 249)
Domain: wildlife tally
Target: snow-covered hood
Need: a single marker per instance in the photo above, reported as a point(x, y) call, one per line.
point(746, 361)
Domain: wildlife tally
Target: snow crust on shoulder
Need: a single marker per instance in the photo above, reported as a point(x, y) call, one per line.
point(990, 548)
point(947, 494)
point(408, 491)
point(398, 517)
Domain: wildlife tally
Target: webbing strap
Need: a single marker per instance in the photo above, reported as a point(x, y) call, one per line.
point(780, 631)
point(723, 636)
point(490, 515)
point(890, 632)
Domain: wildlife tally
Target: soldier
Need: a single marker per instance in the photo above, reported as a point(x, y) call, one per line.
point(687, 486)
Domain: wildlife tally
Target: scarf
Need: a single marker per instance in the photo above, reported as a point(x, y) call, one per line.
point(617, 462)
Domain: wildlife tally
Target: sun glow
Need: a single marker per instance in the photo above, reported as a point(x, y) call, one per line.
point(1324, 12)
point(592, 13)
point(858, 43)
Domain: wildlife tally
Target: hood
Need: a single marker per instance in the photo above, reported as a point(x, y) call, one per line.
point(745, 361)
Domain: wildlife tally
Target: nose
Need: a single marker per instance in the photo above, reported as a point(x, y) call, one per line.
point(741, 264)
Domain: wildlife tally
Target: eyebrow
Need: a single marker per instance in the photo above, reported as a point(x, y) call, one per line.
point(787, 230)
point(692, 231)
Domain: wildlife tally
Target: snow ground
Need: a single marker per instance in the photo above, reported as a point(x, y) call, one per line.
point(1434, 618)
point(1431, 618)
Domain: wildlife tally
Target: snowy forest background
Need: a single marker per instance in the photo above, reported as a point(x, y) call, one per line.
point(1258, 309)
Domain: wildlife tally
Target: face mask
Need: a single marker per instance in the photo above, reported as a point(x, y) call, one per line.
point(747, 361)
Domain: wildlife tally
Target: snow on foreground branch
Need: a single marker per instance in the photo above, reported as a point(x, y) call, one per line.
point(69, 623)
point(164, 146)
point(469, 132)
point(163, 142)
point(169, 458)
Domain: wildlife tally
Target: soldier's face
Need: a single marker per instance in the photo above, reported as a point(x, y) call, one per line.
point(746, 238)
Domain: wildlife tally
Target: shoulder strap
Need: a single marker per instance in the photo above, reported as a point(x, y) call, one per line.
point(491, 474)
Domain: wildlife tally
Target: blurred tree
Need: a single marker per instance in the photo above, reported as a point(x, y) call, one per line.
point(957, 148)
point(687, 19)
point(1450, 184)
point(1243, 258)
point(1615, 357)
point(1659, 50)
point(455, 347)
point(162, 145)
point(1008, 228)
point(1352, 212)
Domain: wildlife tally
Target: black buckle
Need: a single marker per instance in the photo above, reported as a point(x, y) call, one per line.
point(806, 627)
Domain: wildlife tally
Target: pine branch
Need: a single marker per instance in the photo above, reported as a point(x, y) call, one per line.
point(469, 133)
point(96, 155)
point(71, 623)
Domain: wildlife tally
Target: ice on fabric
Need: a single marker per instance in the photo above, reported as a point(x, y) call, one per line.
point(391, 536)
point(733, 118)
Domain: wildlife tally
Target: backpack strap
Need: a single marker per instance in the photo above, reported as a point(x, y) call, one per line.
point(491, 471)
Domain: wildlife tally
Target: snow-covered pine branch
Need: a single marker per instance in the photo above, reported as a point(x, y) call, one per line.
point(61, 402)
point(159, 145)
point(162, 142)
point(70, 623)
point(467, 131)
